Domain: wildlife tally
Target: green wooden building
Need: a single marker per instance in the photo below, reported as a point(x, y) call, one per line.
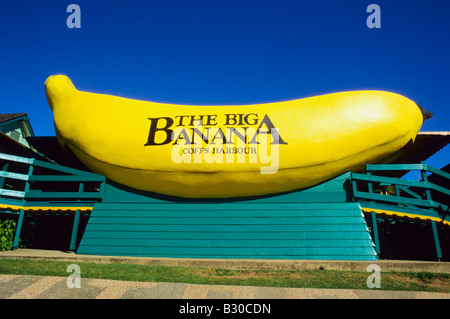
point(378, 213)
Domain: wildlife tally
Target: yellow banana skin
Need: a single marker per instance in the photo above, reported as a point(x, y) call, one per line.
point(164, 148)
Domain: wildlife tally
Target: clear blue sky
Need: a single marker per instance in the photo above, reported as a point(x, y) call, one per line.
point(226, 52)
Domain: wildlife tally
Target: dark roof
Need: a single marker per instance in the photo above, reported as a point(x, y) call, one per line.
point(49, 147)
point(10, 116)
point(425, 145)
point(11, 146)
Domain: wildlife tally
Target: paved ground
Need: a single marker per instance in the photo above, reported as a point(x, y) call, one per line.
point(42, 287)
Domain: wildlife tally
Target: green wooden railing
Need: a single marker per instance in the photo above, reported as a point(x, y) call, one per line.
point(399, 191)
point(423, 198)
point(31, 180)
point(28, 182)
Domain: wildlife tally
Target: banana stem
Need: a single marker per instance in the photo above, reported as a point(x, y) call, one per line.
point(425, 114)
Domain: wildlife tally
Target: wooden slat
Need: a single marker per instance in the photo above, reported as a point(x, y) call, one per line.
point(12, 175)
point(226, 213)
point(273, 235)
point(440, 189)
point(67, 178)
point(362, 257)
point(65, 169)
point(18, 159)
point(223, 228)
point(12, 193)
point(437, 171)
point(275, 221)
point(56, 195)
point(394, 167)
point(389, 180)
point(253, 206)
point(242, 252)
point(393, 199)
point(237, 243)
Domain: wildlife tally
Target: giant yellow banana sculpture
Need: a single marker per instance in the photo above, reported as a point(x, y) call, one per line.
point(230, 151)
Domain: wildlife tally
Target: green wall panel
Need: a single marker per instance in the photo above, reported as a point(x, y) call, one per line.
point(284, 226)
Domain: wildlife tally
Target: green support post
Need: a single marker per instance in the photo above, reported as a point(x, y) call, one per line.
point(27, 184)
point(427, 190)
point(18, 229)
point(80, 190)
point(2, 179)
point(397, 194)
point(76, 222)
point(436, 240)
point(375, 232)
point(369, 184)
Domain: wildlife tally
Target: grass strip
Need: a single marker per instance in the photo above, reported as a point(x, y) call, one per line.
point(320, 278)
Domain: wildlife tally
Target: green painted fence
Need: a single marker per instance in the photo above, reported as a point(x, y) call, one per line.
point(403, 197)
point(28, 181)
point(404, 192)
point(30, 189)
